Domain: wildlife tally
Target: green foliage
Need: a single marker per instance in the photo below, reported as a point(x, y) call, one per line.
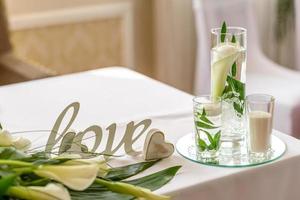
point(11, 153)
point(233, 68)
point(20, 172)
point(5, 182)
point(152, 182)
point(203, 117)
point(156, 180)
point(235, 89)
point(120, 173)
point(201, 144)
point(217, 138)
point(223, 31)
point(233, 39)
point(203, 123)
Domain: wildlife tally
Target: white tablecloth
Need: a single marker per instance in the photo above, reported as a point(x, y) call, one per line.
point(120, 95)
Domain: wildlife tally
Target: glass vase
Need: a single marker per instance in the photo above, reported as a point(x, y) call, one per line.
point(208, 129)
point(228, 76)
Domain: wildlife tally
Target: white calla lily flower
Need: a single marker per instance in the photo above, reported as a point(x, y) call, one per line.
point(21, 143)
point(224, 55)
point(102, 165)
point(49, 192)
point(5, 138)
point(76, 177)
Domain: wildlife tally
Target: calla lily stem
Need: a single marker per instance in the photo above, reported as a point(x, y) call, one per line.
point(18, 192)
point(23, 170)
point(125, 188)
point(15, 163)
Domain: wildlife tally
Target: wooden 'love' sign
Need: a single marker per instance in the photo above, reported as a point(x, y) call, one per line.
point(72, 142)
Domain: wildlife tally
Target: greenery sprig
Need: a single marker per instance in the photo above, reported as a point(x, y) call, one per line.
point(203, 123)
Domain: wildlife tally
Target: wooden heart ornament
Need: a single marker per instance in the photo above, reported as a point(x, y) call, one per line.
point(156, 147)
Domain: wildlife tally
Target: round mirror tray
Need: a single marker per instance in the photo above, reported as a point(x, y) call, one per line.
point(185, 146)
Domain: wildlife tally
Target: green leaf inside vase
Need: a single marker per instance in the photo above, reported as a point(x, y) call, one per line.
point(223, 31)
point(233, 68)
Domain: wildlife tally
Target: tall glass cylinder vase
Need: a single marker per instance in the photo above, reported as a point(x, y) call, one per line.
point(228, 76)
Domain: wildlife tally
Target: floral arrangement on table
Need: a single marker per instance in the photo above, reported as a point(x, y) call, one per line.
point(228, 56)
point(228, 85)
point(37, 175)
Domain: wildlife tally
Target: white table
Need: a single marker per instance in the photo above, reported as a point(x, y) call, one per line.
point(120, 95)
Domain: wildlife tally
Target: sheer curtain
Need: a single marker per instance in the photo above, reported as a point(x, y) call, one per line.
point(174, 43)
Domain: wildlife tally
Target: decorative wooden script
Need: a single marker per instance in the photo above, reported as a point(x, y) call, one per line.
point(72, 142)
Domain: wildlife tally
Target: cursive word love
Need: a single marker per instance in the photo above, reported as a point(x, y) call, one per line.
point(72, 142)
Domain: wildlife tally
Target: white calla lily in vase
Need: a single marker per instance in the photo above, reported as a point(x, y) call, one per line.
point(224, 55)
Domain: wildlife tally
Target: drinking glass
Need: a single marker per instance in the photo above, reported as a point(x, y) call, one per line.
point(228, 76)
point(260, 108)
point(207, 118)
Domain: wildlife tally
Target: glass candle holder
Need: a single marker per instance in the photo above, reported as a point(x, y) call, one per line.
point(228, 76)
point(260, 108)
point(207, 118)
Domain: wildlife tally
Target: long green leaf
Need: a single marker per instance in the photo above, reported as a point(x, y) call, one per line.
point(217, 139)
point(237, 86)
point(152, 182)
point(156, 180)
point(233, 67)
point(238, 107)
point(120, 173)
point(210, 138)
point(202, 144)
point(203, 117)
point(204, 125)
